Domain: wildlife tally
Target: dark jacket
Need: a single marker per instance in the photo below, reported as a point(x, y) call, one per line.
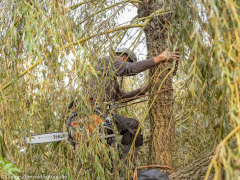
point(110, 69)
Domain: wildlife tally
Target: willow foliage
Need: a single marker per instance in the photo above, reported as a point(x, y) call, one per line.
point(50, 49)
point(208, 88)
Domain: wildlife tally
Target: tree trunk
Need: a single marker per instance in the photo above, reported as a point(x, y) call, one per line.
point(161, 113)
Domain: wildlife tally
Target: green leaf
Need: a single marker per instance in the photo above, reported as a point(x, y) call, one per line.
point(7, 166)
point(15, 169)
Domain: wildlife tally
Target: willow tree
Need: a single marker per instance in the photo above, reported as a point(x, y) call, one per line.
point(49, 50)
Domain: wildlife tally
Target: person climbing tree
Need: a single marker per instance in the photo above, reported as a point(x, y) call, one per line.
point(125, 64)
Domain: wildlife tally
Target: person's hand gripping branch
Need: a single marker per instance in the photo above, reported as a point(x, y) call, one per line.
point(166, 55)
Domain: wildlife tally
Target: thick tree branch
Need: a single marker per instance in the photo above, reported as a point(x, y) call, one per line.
point(99, 34)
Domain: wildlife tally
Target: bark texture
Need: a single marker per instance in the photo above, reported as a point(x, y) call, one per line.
point(161, 113)
point(195, 171)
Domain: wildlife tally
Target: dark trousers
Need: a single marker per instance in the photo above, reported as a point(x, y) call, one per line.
point(128, 128)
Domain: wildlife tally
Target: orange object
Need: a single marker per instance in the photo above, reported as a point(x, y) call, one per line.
point(95, 121)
